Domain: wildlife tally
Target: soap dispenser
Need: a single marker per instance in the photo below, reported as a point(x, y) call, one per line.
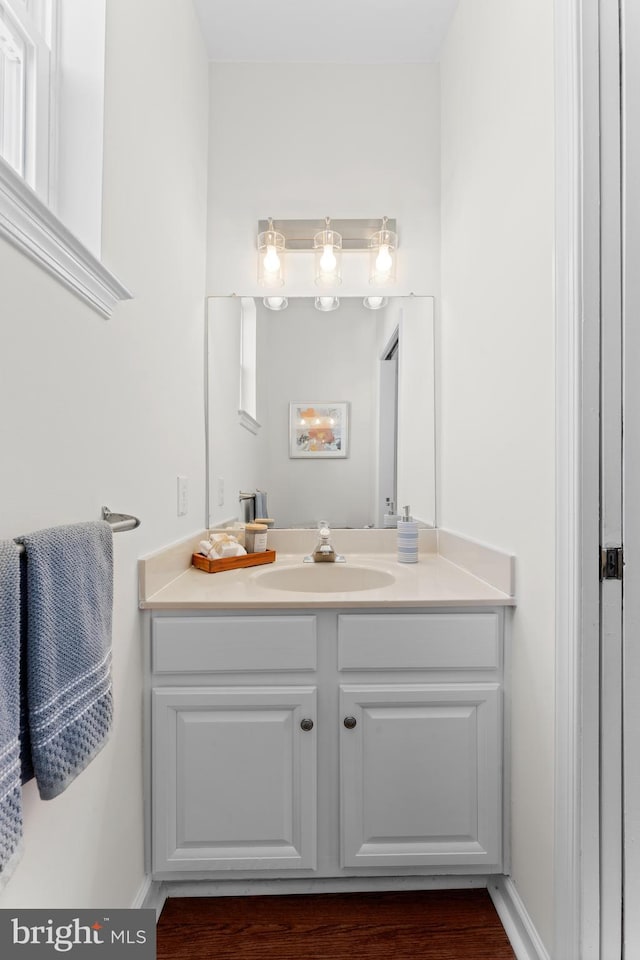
point(407, 538)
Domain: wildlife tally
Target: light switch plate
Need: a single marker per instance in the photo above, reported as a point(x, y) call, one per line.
point(183, 496)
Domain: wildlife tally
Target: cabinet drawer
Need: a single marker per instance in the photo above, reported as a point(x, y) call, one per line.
point(419, 642)
point(233, 644)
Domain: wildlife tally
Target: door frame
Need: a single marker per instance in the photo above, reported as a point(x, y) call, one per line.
point(577, 381)
point(630, 143)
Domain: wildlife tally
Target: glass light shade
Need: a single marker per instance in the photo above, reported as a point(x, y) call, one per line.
point(271, 246)
point(375, 303)
point(326, 304)
point(383, 245)
point(276, 303)
point(327, 246)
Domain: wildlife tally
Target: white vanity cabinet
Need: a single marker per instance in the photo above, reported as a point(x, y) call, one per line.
point(234, 785)
point(332, 743)
point(233, 765)
point(420, 774)
point(421, 762)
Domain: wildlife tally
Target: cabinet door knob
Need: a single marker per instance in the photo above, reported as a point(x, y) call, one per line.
point(350, 722)
point(306, 725)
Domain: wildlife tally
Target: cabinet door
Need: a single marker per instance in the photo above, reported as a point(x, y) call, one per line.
point(421, 775)
point(234, 778)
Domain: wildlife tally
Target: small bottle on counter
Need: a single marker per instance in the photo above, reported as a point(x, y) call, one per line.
point(407, 538)
point(390, 518)
point(255, 537)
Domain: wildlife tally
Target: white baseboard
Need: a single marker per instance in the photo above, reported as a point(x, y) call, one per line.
point(150, 895)
point(523, 936)
point(297, 885)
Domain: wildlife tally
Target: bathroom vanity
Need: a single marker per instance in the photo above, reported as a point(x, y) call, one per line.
point(322, 733)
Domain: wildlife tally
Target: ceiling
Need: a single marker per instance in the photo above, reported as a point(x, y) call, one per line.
point(325, 31)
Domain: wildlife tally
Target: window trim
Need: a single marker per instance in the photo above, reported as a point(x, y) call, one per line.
point(30, 226)
point(37, 95)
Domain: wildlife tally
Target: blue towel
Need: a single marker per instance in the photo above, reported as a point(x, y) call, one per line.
point(68, 659)
point(10, 787)
point(261, 504)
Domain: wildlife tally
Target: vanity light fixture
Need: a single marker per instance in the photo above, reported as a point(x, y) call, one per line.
point(327, 239)
point(383, 245)
point(271, 246)
point(327, 245)
point(375, 303)
point(276, 303)
point(326, 304)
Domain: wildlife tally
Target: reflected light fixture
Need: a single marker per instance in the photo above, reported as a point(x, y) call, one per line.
point(276, 303)
point(383, 245)
point(271, 245)
point(375, 303)
point(326, 304)
point(327, 246)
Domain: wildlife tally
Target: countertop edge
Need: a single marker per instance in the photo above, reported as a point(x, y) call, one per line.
point(458, 588)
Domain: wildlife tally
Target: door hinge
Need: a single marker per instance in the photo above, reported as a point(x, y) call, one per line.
point(611, 563)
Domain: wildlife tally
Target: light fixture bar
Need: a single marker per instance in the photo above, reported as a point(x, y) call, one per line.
point(356, 234)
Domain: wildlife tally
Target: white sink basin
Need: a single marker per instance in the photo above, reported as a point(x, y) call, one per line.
point(324, 578)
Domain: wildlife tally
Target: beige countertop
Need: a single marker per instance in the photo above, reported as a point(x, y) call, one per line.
point(451, 572)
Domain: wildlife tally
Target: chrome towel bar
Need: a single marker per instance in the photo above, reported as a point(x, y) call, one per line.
point(120, 522)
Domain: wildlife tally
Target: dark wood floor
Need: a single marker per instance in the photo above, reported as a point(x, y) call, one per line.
point(421, 925)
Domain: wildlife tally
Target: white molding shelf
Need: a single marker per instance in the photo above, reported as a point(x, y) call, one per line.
point(28, 224)
point(248, 422)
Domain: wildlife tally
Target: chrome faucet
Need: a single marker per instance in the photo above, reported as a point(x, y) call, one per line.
point(324, 552)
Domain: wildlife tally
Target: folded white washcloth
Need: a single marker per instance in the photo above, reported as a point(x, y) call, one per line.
point(221, 545)
point(229, 550)
point(205, 547)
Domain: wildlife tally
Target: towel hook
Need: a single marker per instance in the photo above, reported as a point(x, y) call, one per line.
point(120, 521)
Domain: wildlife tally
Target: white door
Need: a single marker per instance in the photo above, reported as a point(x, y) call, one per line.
point(234, 778)
point(630, 76)
point(420, 775)
point(611, 520)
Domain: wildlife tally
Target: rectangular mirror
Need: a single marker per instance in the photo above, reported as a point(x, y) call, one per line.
point(374, 367)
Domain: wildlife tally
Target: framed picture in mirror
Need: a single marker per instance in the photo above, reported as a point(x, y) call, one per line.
point(318, 429)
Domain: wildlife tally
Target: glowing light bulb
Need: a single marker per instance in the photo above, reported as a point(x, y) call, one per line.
point(383, 260)
point(375, 302)
point(328, 260)
point(271, 259)
point(327, 303)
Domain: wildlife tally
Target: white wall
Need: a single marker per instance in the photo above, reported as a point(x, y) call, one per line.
point(304, 140)
point(285, 142)
point(235, 453)
point(314, 356)
point(496, 479)
point(110, 412)
point(413, 317)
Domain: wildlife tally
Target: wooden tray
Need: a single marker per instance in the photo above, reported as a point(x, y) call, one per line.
point(232, 563)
